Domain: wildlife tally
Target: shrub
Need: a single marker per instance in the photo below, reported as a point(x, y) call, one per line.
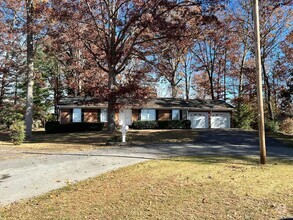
point(145, 125)
point(55, 127)
point(245, 116)
point(8, 116)
point(17, 134)
point(272, 125)
point(174, 124)
point(52, 127)
point(287, 126)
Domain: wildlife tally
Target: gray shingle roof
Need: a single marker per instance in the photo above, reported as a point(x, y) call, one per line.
point(158, 103)
point(190, 103)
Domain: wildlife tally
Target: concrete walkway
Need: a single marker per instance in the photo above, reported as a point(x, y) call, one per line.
point(41, 172)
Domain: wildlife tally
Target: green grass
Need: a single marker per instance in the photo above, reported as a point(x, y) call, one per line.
point(180, 188)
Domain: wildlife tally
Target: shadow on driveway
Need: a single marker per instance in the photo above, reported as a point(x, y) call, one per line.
point(221, 142)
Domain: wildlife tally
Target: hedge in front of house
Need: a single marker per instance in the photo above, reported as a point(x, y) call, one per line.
point(55, 127)
point(145, 125)
point(174, 124)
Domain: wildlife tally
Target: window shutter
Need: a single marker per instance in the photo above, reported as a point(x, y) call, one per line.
point(71, 115)
point(139, 114)
point(82, 115)
point(99, 115)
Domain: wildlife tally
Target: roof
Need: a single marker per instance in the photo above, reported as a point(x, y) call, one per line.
point(158, 103)
point(188, 104)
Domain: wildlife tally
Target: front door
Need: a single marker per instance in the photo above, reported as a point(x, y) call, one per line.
point(125, 116)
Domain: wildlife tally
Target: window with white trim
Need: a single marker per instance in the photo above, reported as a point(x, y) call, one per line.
point(175, 114)
point(76, 115)
point(104, 115)
point(148, 114)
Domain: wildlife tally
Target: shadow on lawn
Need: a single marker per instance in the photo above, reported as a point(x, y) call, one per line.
point(240, 160)
point(4, 136)
point(90, 138)
point(198, 159)
point(98, 138)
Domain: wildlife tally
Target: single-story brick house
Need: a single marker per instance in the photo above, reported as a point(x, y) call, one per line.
point(201, 113)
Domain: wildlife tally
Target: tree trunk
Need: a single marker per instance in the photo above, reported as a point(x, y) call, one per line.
point(225, 73)
point(187, 80)
point(30, 70)
point(219, 83)
point(186, 87)
point(3, 85)
point(240, 86)
point(15, 89)
point(269, 92)
point(211, 85)
point(173, 90)
point(56, 91)
point(111, 101)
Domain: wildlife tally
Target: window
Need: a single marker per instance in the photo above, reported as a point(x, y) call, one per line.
point(148, 115)
point(176, 114)
point(76, 115)
point(104, 115)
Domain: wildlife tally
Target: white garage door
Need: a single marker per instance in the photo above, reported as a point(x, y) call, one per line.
point(199, 119)
point(220, 120)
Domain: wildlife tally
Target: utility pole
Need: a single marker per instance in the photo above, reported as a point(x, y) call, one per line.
point(261, 130)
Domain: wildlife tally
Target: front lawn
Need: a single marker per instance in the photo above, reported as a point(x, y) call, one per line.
point(91, 140)
point(180, 188)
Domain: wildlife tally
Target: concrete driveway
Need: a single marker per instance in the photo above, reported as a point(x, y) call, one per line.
point(40, 172)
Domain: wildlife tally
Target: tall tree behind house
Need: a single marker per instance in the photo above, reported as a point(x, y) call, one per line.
point(111, 34)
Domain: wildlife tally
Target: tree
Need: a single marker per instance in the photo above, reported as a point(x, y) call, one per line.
point(208, 51)
point(24, 26)
point(187, 71)
point(283, 71)
point(113, 34)
point(168, 61)
point(30, 67)
point(274, 20)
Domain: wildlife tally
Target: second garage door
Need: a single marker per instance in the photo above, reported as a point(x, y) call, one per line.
point(199, 119)
point(220, 120)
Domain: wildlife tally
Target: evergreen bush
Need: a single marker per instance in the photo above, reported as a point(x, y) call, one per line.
point(17, 133)
point(171, 124)
point(272, 125)
point(246, 116)
point(145, 125)
point(8, 116)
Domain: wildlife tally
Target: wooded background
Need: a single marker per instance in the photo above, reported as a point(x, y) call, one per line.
point(112, 49)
